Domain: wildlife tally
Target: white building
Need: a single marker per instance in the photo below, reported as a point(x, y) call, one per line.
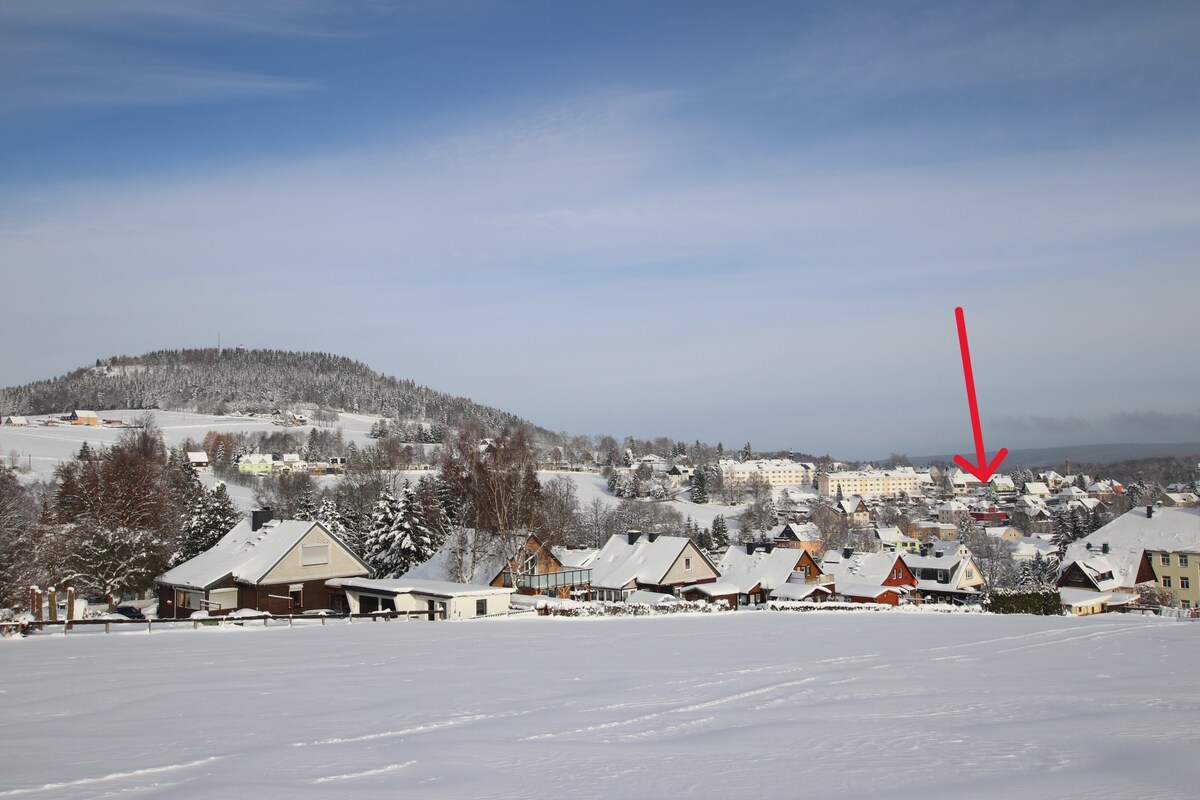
point(775, 471)
point(873, 483)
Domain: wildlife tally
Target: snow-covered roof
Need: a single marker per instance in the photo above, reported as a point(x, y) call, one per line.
point(1082, 597)
point(244, 554)
point(1170, 529)
point(575, 557)
point(747, 570)
point(197, 457)
point(1029, 547)
point(483, 557)
point(397, 586)
point(798, 591)
point(645, 559)
point(800, 532)
point(871, 568)
point(651, 598)
point(719, 588)
point(1036, 488)
point(864, 589)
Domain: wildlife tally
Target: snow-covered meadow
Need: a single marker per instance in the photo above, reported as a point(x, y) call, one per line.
point(775, 704)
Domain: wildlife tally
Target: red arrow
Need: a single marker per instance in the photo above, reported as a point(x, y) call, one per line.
point(984, 471)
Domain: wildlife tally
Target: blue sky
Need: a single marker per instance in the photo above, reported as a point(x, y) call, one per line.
point(701, 220)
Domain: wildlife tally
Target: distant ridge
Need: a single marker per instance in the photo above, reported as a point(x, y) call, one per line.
point(259, 381)
point(1084, 454)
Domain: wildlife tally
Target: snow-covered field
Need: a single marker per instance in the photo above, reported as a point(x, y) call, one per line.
point(764, 704)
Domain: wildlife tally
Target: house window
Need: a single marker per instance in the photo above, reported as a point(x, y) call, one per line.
point(1166, 581)
point(296, 592)
point(1183, 560)
point(1165, 559)
point(1186, 603)
point(970, 574)
point(312, 555)
point(481, 608)
point(687, 565)
point(529, 563)
point(1185, 583)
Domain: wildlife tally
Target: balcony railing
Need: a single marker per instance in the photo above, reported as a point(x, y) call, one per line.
point(548, 580)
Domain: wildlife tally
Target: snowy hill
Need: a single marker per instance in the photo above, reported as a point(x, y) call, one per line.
point(260, 381)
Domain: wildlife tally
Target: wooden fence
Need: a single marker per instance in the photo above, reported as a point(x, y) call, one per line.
point(267, 620)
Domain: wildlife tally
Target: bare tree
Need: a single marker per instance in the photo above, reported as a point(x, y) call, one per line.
point(561, 523)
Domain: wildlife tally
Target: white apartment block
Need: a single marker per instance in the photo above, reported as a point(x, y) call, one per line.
point(875, 483)
point(775, 471)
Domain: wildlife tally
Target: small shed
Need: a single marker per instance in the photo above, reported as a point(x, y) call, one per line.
point(445, 599)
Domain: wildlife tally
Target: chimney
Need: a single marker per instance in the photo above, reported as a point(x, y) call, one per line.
point(938, 553)
point(1104, 548)
point(770, 546)
point(260, 518)
point(1149, 512)
point(633, 536)
point(749, 548)
point(650, 537)
point(847, 552)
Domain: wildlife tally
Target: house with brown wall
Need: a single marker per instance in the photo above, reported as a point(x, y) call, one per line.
point(277, 566)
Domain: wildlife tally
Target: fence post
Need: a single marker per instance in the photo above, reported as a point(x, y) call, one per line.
point(51, 599)
point(70, 608)
point(35, 603)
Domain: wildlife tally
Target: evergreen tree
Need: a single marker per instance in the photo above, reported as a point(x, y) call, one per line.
point(212, 515)
point(306, 509)
point(720, 533)
point(331, 519)
point(398, 539)
point(747, 452)
point(1064, 533)
point(1038, 571)
point(700, 486)
point(376, 543)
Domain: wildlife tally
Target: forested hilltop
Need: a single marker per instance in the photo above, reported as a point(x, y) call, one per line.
point(212, 381)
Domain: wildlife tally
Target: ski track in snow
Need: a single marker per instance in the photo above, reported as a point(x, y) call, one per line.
point(367, 773)
point(116, 776)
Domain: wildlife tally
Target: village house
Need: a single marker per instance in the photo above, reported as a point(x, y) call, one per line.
point(1179, 499)
point(198, 459)
point(264, 564)
point(1146, 544)
point(650, 561)
point(440, 599)
point(870, 577)
point(256, 464)
point(81, 417)
point(892, 540)
point(520, 561)
point(800, 536)
point(856, 512)
point(753, 571)
point(1084, 603)
point(16, 422)
point(948, 574)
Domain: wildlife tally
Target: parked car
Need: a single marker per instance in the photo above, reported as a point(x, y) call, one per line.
point(130, 612)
